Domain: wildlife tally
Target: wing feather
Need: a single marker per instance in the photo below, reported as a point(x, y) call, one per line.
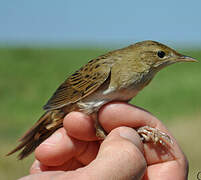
point(79, 85)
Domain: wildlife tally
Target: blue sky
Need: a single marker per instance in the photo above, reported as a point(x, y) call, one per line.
point(100, 22)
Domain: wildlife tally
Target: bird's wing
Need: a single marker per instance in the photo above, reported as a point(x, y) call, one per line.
point(79, 85)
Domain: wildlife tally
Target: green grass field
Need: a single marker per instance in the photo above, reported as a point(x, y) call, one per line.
point(29, 76)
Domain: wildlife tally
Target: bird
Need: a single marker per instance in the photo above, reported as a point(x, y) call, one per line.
point(118, 75)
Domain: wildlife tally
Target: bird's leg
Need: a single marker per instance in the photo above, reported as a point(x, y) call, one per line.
point(100, 132)
point(92, 108)
point(149, 134)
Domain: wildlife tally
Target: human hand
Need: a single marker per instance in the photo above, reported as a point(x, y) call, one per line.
point(120, 155)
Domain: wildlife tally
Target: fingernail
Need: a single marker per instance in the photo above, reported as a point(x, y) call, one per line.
point(36, 165)
point(128, 133)
point(53, 139)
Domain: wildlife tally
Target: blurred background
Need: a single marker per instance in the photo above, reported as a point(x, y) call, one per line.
point(42, 42)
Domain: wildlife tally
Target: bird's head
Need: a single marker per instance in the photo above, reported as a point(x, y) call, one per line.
point(157, 55)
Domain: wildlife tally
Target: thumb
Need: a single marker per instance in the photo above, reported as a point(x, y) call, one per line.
point(120, 157)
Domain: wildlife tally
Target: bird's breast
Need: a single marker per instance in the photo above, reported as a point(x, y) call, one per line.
point(97, 99)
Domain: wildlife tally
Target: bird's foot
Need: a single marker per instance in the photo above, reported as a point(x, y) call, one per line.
point(149, 134)
point(100, 133)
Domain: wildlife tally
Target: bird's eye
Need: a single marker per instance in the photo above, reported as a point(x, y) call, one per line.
point(161, 54)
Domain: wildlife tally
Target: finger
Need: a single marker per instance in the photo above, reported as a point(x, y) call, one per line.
point(72, 164)
point(169, 170)
point(118, 114)
point(121, 114)
point(58, 149)
point(89, 153)
point(80, 126)
point(44, 175)
point(36, 167)
point(120, 156)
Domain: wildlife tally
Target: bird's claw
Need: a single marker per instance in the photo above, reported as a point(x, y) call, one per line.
point(149, 134)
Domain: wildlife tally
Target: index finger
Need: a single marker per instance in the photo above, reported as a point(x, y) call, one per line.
point(118, 114)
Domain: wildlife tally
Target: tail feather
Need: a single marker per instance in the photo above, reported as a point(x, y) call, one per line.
point(32, 130)
point(38, 133)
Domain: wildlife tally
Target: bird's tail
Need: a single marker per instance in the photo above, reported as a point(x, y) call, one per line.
point(43, 128)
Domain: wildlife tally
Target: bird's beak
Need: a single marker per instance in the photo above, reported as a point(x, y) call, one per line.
point(186, 59)
point(179, 58)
